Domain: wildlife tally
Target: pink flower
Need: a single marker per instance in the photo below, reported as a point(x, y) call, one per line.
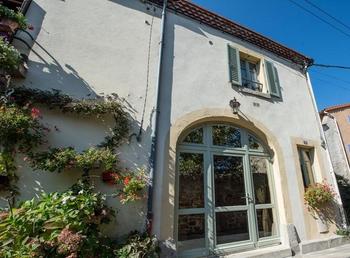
point(35, 113)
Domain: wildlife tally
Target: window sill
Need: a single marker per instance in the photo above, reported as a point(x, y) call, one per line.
point(252, 92)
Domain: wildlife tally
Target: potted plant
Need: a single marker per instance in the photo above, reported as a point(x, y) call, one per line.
point(318, 198)
point(11, 61)
point(10, 20)
point(111, 177)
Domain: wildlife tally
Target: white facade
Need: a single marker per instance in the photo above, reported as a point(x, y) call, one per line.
point(84, 47)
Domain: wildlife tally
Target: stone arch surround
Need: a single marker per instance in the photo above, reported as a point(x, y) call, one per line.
point(190, 120)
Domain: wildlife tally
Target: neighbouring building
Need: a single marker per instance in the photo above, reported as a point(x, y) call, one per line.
point(230, 114)
point(336, 127)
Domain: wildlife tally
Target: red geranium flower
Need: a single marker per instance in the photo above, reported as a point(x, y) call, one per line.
point(35, 113)
point(126, 180)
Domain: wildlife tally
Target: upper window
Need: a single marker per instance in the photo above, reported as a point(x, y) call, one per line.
point(250, 72)
point(306, 157)
point(253, 73)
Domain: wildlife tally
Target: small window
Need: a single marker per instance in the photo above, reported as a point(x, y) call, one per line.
point(250, 71)
point(306, 156)
point(348, 147)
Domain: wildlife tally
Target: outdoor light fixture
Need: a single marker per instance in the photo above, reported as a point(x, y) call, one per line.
point(234, 104)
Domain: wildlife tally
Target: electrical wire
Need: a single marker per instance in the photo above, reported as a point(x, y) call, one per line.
point(331, 83)
point(320, 18)
point(332, 66)
point(328, 14)
point(331, 76)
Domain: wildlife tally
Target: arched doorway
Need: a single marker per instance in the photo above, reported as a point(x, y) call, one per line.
point(224, 191)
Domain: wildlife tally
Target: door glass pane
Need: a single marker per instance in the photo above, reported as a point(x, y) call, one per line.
point(306, 159)
point(225, 135)
point(191, 231)
point(254, 144)
point(266, 223)
point(260, 178)
point(231, 227)
point(191, 184)
point(196, 136)
point(228, 181)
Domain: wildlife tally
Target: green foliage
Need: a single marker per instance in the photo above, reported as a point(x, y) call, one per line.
point(57, 224)
point(109, 105)
point(7, 164)
point(58, 159)
point(343, 232)
point(139, 246)
point(9, 56)
point(15, 16)
point(19, 128)
point(318, 196)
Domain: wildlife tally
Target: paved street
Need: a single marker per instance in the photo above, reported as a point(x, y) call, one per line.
point(337, 252)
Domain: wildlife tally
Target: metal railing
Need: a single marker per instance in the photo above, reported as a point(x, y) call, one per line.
point(257, 86)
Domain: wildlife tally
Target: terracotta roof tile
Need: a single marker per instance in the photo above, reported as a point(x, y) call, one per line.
point(218, 22)
point(336, 107)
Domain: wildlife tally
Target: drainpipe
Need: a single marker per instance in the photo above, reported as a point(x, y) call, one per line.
point(155, 125)
point(323, 137)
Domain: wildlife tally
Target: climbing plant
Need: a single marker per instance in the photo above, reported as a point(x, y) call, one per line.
point(23, 131)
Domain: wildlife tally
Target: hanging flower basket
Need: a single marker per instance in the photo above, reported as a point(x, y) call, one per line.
point(11, 21)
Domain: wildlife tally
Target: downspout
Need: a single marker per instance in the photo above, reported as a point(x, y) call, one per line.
point(155, 125)
point(323, 137)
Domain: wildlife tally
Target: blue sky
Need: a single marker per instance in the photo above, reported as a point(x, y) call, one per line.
point(289, 25)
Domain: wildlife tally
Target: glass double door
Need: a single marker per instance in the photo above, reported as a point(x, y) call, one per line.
point(224, 202)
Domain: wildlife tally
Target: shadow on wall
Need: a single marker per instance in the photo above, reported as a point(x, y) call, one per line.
point(46, 72)
point(344, 189)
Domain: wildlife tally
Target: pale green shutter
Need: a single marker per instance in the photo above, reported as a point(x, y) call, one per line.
point(234, 66)
point(272, 79)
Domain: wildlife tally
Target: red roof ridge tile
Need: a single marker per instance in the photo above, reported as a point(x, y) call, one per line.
point(219, 22)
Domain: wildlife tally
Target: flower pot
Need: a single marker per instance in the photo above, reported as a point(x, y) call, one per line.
point(8, 26)
point(322, 224)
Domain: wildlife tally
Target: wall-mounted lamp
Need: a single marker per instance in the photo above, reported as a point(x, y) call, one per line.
point(234, 104)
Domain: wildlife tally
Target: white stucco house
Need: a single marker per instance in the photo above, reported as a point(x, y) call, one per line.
point(225, 122)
